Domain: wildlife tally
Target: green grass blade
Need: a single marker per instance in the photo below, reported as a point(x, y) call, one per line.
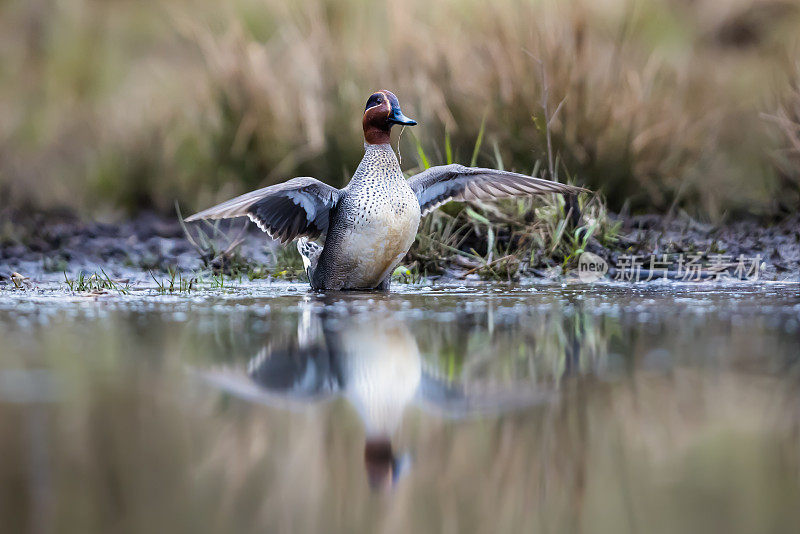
point(477, 216)
point(562, 224)
point(478, 142)
point(498, 157)
point(421, 152)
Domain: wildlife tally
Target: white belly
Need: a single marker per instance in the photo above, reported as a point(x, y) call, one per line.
point(377, 243)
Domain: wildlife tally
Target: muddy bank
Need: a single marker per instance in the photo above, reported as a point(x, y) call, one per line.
point(45, 246)
point(774, 245)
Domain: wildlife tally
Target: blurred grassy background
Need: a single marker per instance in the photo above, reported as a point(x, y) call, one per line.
point(112, 106)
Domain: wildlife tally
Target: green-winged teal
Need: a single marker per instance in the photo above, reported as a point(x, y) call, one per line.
point(369, 225)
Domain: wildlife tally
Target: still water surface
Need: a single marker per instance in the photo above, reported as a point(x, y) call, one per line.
point(490, 409)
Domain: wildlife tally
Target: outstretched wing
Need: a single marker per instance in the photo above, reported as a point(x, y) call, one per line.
point(452, 400)
point(298, 207)
point(444, 183)
point(288, 377)
point(296, 372)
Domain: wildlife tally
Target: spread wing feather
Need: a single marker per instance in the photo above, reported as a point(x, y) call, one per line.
point(438, 185)
point(455, 401)
point(298, 207)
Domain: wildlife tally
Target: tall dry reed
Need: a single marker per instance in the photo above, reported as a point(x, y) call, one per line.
point(654, 103)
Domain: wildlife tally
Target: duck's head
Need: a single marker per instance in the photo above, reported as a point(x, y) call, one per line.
point(382, 112)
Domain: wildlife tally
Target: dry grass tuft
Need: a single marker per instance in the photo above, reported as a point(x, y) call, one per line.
point(786, 125)
point(655, 103)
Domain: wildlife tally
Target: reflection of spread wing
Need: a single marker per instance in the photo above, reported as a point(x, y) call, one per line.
point(306, 372)
point(452, 400)
point(282, 378)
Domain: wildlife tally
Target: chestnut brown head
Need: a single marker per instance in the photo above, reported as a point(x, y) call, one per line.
point(382, 112)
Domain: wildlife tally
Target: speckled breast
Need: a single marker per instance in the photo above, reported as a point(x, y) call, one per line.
point(383, 216)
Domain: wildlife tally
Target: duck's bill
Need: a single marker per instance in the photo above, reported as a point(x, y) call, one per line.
point(397, 117)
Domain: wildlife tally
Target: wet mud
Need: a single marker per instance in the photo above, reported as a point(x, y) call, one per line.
point(46, 247)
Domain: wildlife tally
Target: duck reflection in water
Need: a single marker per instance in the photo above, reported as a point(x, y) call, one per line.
point(373, 362)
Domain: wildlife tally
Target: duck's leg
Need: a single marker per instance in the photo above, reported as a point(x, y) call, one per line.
point(385, 283)
point(386, 276)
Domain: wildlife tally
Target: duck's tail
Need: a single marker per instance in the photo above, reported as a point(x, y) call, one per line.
point(310, 252)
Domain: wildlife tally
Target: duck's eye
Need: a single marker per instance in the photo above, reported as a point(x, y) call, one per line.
point(374, 100)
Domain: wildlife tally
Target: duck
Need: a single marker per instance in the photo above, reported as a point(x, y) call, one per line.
point(367, 227)
point(373, 362)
